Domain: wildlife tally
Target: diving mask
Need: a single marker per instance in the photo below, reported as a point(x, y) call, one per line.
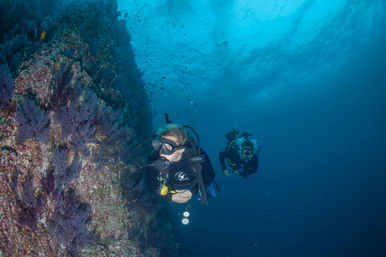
point(166, 146)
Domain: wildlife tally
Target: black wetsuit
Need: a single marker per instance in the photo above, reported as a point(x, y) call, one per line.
point(181, 174)
point(232, 155)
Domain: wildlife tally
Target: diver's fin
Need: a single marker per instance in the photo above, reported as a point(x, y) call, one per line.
point(213, 190)
point(232, 135)
point(216, 187)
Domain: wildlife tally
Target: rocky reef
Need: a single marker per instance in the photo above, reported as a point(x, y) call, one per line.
point(72, 105)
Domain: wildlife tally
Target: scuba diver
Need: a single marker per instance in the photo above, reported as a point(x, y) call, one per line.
point(178, 168)
point(241, 153)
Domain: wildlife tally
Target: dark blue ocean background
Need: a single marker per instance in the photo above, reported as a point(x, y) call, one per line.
point(308, 79)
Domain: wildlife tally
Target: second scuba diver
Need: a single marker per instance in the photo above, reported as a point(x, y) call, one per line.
point(241, 153)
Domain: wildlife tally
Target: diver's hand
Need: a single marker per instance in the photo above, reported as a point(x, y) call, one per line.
point(181, 196)
point(226, 173)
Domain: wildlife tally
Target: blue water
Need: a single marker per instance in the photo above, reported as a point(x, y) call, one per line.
point(307, 78)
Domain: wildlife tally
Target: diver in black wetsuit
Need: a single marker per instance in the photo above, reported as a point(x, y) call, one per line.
point(241, 153)
point(177, 169)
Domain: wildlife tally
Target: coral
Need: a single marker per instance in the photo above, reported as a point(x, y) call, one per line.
point(102, 76)
point(6, 85)
point(62, 92)
point(83, 134)
point(69, 223)
point(33, 122)
point(15, 49)
point(36, 76)
point(80, 95)
point(18, 22)
point(81, 110)
point(48, 184)
point(59, 159)
point(63, 174)
point(30, 204)
point(111, 123)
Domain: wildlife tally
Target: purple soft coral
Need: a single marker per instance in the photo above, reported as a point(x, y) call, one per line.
point(64, 175)
point(61, 92)
point(31, 205)
point(69, 225)
point(79, 120)
point(71, 216)
point(33, 122)
point(6, 85)
point(49, 182)
point(82, 135)
point(111, 123)
point(59, 159)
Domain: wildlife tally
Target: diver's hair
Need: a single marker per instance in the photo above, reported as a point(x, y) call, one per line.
point(174, 130)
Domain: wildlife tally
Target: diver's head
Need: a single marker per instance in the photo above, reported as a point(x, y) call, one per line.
point(247, 149)
point(171, 142)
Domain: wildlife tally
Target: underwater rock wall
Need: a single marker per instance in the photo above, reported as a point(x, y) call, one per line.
point(72, 104)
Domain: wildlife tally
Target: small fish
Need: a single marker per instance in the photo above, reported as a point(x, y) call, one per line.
point(37, 35)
